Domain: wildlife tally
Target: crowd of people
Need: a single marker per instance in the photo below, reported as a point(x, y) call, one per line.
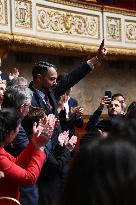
point(43, 162)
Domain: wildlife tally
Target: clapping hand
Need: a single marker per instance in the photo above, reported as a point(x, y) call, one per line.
point(42, 132)
point(63, 137)
point(64, 140)
point(78, 111)
point(70, 144)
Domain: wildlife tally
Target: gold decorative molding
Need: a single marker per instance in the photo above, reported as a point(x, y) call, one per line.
point(3, 12)
point(119, 11)
point(91, 6)
point(40, 45)
point(84, 5)
point(57, 24)
point(25, 41)
point(121, 51)
point(6, 38)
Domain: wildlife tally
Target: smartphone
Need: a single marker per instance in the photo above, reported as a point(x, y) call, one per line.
point(109, 94)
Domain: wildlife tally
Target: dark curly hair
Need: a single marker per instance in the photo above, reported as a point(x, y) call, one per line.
point(9, 120)
point(41, 67)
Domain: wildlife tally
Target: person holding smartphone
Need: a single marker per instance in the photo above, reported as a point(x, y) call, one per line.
point(114, 109)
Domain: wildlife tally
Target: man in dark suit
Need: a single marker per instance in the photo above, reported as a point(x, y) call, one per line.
point(46, 93)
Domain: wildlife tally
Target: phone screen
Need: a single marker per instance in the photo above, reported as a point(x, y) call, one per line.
point(109, 94)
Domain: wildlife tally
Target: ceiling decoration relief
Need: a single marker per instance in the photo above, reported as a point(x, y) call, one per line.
point(67, 25)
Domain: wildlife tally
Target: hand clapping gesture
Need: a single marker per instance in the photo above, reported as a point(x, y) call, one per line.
point(64, 140)
point(70, 144)
point(78, 111)
point(42, 132)
point(63, 137)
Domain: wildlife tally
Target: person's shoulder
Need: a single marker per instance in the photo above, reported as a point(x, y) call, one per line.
point(73, 100)
point(5, 76)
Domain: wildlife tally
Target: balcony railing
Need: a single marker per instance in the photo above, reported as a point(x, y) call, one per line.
point(66, 26)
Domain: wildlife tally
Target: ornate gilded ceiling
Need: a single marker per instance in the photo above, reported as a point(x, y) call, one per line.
point(66, 26)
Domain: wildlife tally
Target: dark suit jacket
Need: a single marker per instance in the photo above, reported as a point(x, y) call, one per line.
point(52, 178)
point(62, 86)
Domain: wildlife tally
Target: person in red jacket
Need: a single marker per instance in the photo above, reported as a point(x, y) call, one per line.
point(25, 169)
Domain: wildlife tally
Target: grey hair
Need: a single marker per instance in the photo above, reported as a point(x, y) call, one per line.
point(15, 96)
point(19, 81)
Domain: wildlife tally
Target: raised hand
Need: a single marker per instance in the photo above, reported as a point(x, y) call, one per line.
point(105, 100)
point(70, 144)
point(63, 137)
point(78, 111)
point(14, 73)
point(101, 53)
point(42, 132)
